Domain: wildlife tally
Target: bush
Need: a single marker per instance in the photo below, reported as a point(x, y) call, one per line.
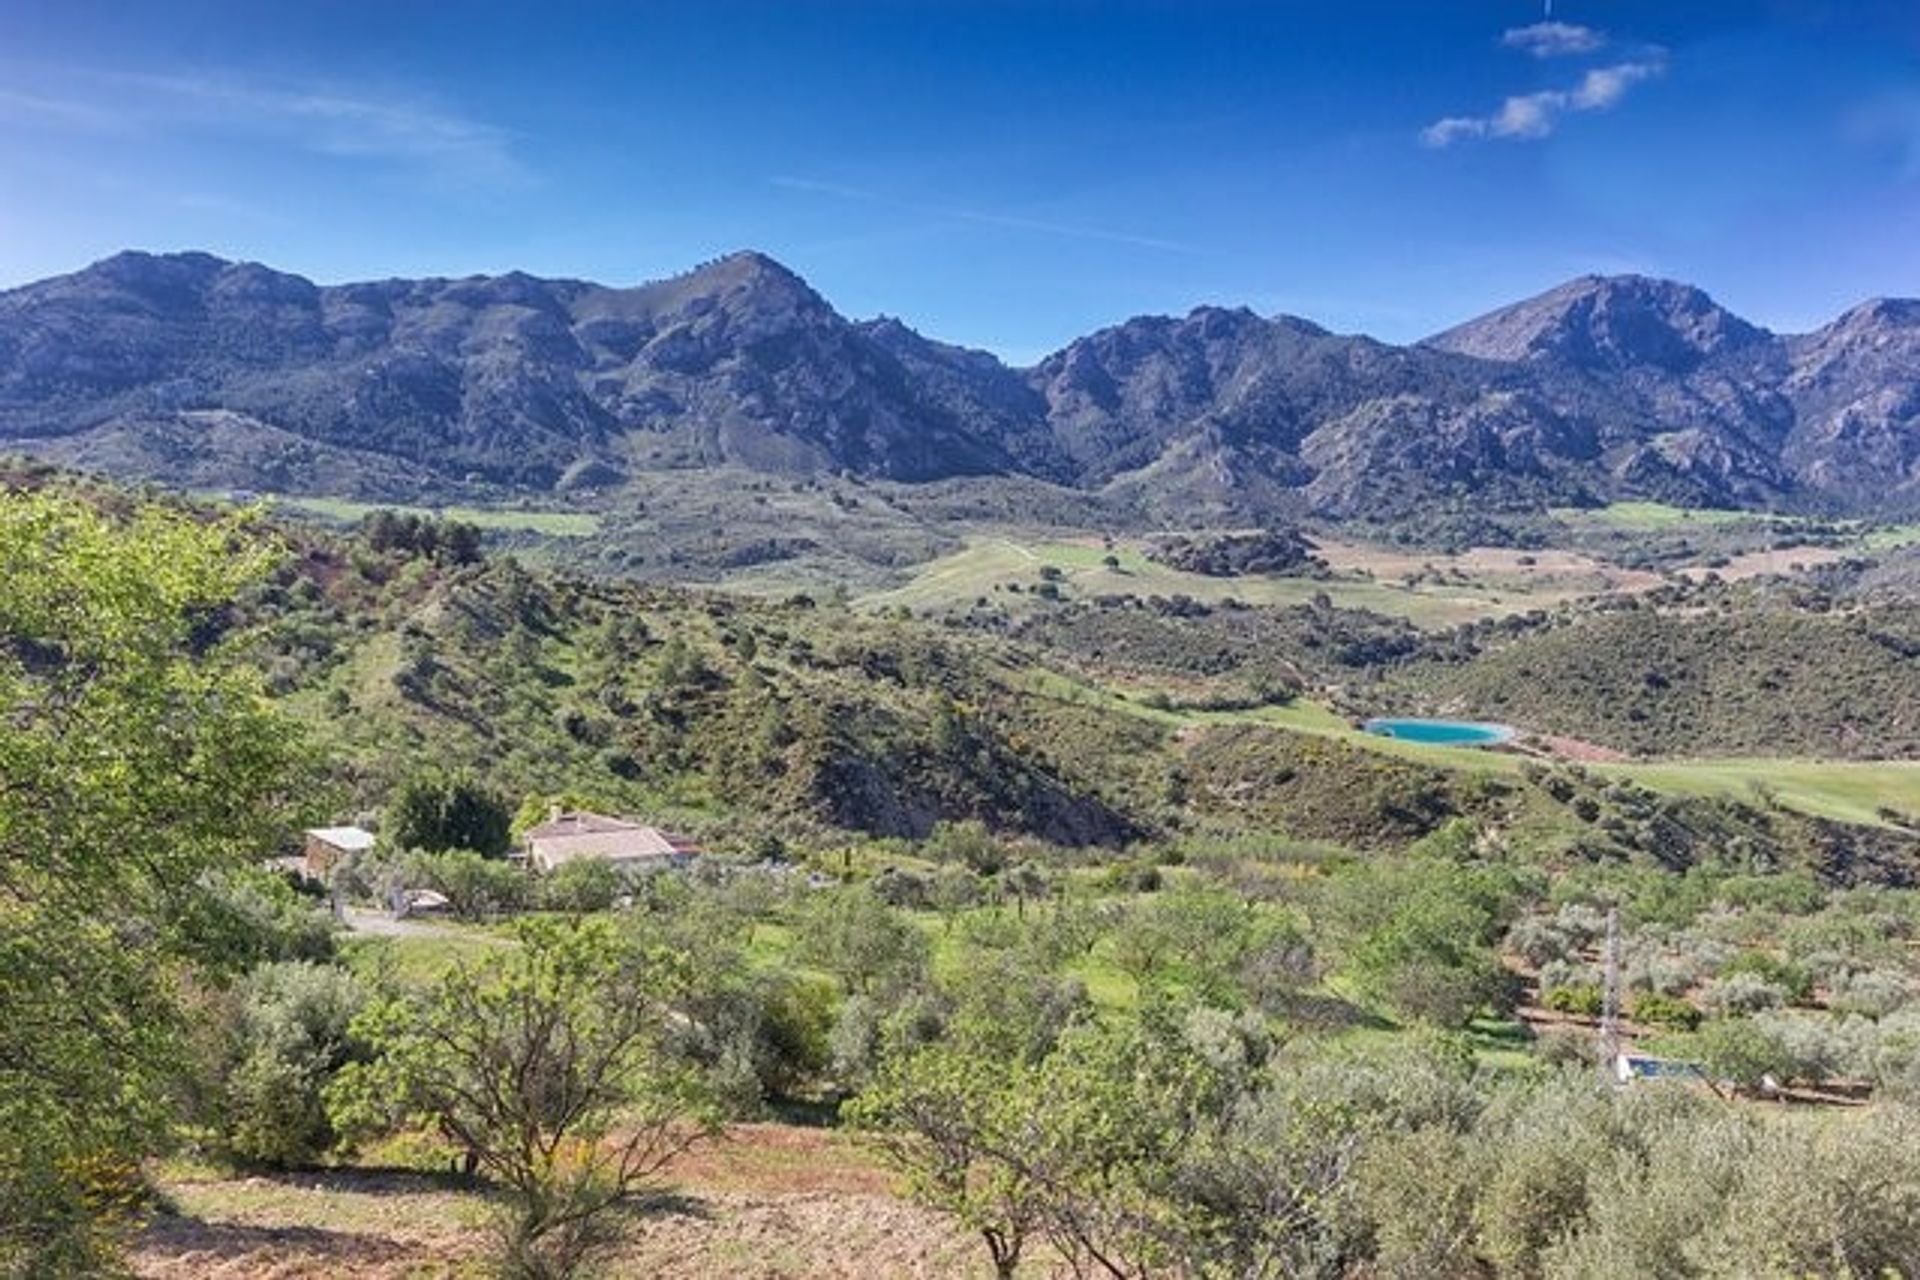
point(1790, 978)
point(1657, 1010)
point(1584, 1001)
point(1736, 1049)
point(476, 887)
point(288, 1037)
point(1874, 993)
point(1742, 993)
point(438, 812)
point(585, 884)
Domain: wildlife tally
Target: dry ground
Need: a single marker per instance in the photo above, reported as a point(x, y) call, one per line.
point(771, 1201)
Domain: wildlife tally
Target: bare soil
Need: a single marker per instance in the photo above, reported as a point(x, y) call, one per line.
point(767, 1202)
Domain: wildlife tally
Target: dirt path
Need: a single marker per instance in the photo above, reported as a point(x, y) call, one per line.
point(378, 924)
point(771, 1202)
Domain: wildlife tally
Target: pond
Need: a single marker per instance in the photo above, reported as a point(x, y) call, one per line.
point(1441, 733)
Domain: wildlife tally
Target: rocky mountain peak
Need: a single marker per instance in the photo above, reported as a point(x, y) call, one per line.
point(1607, 323)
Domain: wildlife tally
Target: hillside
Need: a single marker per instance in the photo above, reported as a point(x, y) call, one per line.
point(945, 869)
point(1719, 676)
point(200, 372)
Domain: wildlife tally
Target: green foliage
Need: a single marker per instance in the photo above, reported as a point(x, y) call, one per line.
point(288, 1035)
point(860, 941)
point(1585, 1000)
point(441, 811)
point(139, 769)
point(1769, 968)
point(1753, 677)
point(585, 884)
point(546, 1065)
point(1417, 936)
point(1736, 1049)
point(953, 1120)
point(1656, 1010)
point(476, 887)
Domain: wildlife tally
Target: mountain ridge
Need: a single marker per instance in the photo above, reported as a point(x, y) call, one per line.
point(188, 368)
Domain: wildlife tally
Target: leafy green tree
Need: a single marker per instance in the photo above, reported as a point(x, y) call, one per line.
point(546, 1065)
point(139, 766)
point(585, 884)
point(441, 811)
point(952, 1120)
point(1026, 881)
point(1418, 937)
point(476, 888)
point(968, 843)
point(862, 942)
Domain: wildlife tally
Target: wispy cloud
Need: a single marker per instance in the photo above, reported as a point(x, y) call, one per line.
point(1555, 40)
point(41, 109)
point(983, 217)
point(1536, 115)
point(325, 119)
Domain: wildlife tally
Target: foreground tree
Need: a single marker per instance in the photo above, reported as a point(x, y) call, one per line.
point(546, 1065)
point(951, 1120)
point(140, 772)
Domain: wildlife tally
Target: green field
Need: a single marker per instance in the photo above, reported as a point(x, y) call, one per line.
point(1658, 517)
point(1653, 517)
point(1844, 790)
point(989, 565)
point(551, 524)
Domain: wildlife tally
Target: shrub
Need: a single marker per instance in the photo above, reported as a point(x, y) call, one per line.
point(1657, 1010)
point(1742, 993)
point(1874, 993)
point(899, 888)
point(476, 887)
point(1585, 1001)
point(1790, 978)
point(1565, 1046)
point(1539, 941)
point(585, 884)
point(289, 1035)
point(439, 811)
point(1737, 1049)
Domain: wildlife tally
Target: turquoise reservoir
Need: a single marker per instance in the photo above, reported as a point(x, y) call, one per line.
point(1441, 733)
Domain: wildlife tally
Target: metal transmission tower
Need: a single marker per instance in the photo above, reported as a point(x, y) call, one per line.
point(1610, 1001)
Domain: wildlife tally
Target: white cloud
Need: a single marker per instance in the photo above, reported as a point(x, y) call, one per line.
point(1525, 117)
point(1554, 40)
point(328, 120)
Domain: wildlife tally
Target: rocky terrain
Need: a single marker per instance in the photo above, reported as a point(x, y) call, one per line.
point(192, 370)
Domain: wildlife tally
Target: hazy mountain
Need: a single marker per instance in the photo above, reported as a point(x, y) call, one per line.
point(194, 370)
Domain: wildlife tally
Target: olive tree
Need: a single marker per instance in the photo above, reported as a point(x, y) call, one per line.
point(546, 1065)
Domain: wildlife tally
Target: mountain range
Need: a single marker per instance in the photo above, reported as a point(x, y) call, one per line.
point(193, 370)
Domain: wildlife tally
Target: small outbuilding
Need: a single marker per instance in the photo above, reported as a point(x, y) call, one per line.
point(327, 845)
point(626, 845)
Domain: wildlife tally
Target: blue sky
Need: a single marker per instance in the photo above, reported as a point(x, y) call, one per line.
point(1008, 175)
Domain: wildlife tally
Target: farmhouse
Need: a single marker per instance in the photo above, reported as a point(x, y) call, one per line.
point(327, 845)
point(628, 846)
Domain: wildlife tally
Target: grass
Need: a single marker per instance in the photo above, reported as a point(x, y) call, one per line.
point(1654, 517)
point(988, 566)
point(1844, 790)
point(419, 961)
point(1890, 537)
point(551, 524)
